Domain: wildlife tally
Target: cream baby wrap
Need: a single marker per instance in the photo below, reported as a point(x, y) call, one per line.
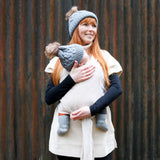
point(84, 94)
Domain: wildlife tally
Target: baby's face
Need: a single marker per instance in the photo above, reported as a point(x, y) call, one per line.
point(84, 59)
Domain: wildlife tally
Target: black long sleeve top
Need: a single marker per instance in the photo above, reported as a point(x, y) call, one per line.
point(55, 93)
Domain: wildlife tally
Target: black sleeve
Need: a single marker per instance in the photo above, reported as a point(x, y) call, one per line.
point(113, 92)
point(55, 93)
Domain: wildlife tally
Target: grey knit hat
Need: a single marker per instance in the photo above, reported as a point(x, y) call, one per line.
point(74, 17)
point(67, 54)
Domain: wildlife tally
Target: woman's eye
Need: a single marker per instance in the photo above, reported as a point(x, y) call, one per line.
point(94, 26)
point(85, 24)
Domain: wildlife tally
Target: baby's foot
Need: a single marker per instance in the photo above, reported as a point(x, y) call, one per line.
point(63, 124)
point(100, 122)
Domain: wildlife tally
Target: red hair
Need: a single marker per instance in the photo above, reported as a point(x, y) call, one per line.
point(93, 50)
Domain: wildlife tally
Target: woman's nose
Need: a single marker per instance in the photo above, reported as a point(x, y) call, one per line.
point(90, 27)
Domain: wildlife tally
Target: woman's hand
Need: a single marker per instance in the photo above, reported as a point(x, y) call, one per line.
point(81, 113)
point(82, 73)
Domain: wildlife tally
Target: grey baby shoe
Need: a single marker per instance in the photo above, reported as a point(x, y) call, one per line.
point(101, 121)
point(63, 124)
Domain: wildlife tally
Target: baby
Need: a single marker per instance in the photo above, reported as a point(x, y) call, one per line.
point(68, 54)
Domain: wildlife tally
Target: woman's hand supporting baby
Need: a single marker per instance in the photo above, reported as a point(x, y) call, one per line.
point(81, 113)
point(81, 73)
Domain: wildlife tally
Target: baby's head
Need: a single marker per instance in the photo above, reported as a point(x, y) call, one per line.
point(68, 54)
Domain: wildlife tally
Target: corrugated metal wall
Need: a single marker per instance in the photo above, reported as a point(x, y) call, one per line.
point(128, 29)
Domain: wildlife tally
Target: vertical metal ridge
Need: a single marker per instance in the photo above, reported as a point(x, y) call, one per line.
point(2, 82)
point(9, 79)
point(28, 92)
point(35, 38)
point(19, 80)
point(157, 78)
point(119, 55)
point(136, 75)
point(107, 25)
point(22, 80)
point(52, 21)
point(127, 91)
point(40, 79)
point(151, 78)
point(144, 82)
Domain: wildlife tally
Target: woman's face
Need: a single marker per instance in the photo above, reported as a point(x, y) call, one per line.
point(87, 32)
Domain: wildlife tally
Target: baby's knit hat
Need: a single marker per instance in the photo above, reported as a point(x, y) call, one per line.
point(67, 54)
point(74, 17)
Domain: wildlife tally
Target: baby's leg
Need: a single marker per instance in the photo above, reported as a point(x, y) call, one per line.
point(101, 120)
point(63, 120)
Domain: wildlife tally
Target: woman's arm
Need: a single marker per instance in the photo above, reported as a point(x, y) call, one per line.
point(55, 93)
point(113, 92)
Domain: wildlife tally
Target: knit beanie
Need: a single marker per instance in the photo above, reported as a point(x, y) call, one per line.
point(74, 17)
point(67, 54)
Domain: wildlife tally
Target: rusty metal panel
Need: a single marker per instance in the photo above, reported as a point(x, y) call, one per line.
point(129, 30)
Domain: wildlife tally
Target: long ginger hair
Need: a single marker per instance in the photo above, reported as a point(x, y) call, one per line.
point(93, 50)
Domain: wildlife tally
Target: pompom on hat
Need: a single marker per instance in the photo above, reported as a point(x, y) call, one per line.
point(74, 17)
point(66, 53)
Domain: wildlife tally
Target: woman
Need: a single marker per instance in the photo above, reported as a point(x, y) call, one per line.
point(105, 70)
